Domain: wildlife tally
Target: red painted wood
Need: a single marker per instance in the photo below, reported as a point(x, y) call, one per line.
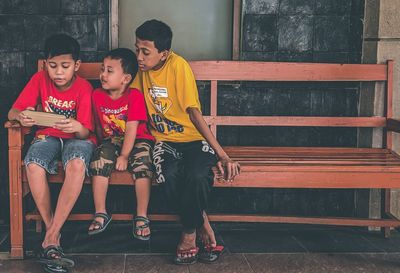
point(297, 121)
point(252, 219)
point(273, 71)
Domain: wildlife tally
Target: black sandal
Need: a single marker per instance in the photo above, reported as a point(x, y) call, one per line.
point(55, 269)
point(54, 256)
point(136, 228)
point(101, 226)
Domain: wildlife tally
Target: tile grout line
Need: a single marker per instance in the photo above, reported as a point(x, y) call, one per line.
point(124, 264)
point(248, 263)
point(300, 243)
point(371, 243)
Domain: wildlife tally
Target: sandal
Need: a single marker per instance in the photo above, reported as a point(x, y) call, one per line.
point(136, 228)
point(210, 254)
point(180, 260)
point(55, 269)
point(54, 256)
point(100, 226)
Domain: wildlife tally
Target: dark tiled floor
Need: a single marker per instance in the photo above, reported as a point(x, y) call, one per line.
point(250, 248)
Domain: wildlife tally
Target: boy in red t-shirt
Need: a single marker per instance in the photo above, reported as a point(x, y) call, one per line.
point(121, 127)
point(59, 90)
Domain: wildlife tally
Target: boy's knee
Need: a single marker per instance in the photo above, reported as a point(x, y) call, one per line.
point(75, 166)
point(34, 168)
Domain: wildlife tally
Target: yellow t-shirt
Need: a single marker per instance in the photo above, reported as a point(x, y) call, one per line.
point(168, 93)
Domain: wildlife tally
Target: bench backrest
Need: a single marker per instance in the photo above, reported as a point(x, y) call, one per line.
point(215, 71)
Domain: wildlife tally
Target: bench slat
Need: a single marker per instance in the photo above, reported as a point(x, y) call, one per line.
point(249, 218)
point(300, 121)
point(269, 71)
point(273, 71)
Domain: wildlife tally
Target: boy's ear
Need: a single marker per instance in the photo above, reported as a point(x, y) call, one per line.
point(127, 78)
point(77, 65)
point(164, 55)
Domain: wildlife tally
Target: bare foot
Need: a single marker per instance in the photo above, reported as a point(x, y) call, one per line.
point(187, 242)
point(95, 226)
point(144, 231)
point(206, 233)
point(52, 240)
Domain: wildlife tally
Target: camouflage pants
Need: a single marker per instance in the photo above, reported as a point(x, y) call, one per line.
point(139, 162)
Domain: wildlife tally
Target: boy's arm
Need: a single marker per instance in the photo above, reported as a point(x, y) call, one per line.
point(225, 163)
point(127, 146)
point(71, 125)
point(15, 114)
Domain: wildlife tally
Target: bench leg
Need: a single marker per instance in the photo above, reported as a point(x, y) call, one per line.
point(38, 226)
point(16, 209)
point(386, 211)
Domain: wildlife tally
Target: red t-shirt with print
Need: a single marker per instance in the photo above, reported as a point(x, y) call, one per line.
point(113, 114)
point(74, 102)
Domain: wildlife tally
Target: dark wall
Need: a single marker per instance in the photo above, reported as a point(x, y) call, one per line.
point(295, 31)
point(24, 25)
point(273, 30)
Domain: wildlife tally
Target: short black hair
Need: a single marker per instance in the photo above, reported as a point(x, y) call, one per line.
point(128, 60)
point(60, 44)
point(158, 32)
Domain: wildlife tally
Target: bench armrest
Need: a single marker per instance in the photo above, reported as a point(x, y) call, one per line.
point(12, 124)
point(16, 133)
point(393, 125)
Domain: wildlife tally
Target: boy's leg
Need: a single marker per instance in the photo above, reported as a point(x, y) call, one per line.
point(169, 173)
point(76, 157)
point(39, 159)
point(141, 166)
point(199, 158)
point(101, 166)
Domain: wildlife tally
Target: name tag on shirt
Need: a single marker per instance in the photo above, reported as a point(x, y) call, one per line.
point(160, 92)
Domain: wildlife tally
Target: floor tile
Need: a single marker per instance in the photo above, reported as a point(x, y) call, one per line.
point(116, 239)
point(164, 241)
point(227, 263)
point(305, 263)
point(98, 263)
point(20, 266)
point(344, 263)
point(285, 263)
point(152, 264)
point(391, 244)
point(260, 241)
point(384, 262)
point(338, 240)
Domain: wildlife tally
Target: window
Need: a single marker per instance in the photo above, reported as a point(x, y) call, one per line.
point(202, 30)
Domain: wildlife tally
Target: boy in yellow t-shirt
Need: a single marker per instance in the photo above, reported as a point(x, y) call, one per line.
point(185, 149)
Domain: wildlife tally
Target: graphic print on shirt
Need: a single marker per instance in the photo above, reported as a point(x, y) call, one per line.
point(114, 120)
point(161, 102)
point(61, 107)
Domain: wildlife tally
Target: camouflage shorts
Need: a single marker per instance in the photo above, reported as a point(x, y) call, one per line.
point(139, 163)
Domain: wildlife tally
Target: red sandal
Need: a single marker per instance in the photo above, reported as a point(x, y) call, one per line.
point(210, 254)
point(180, 260)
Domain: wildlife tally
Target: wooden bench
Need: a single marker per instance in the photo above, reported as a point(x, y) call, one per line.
point(263, 167)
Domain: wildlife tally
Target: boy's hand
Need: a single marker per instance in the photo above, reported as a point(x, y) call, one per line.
point(68, 125)
point(122, 163)
point(228, 168)
point(25, 120)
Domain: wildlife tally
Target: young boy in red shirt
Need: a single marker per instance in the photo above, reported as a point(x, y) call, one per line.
point(125, 142)
point(57, 89)
point(186, 150)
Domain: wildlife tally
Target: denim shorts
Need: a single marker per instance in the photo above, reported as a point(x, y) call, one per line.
point(46, 151)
